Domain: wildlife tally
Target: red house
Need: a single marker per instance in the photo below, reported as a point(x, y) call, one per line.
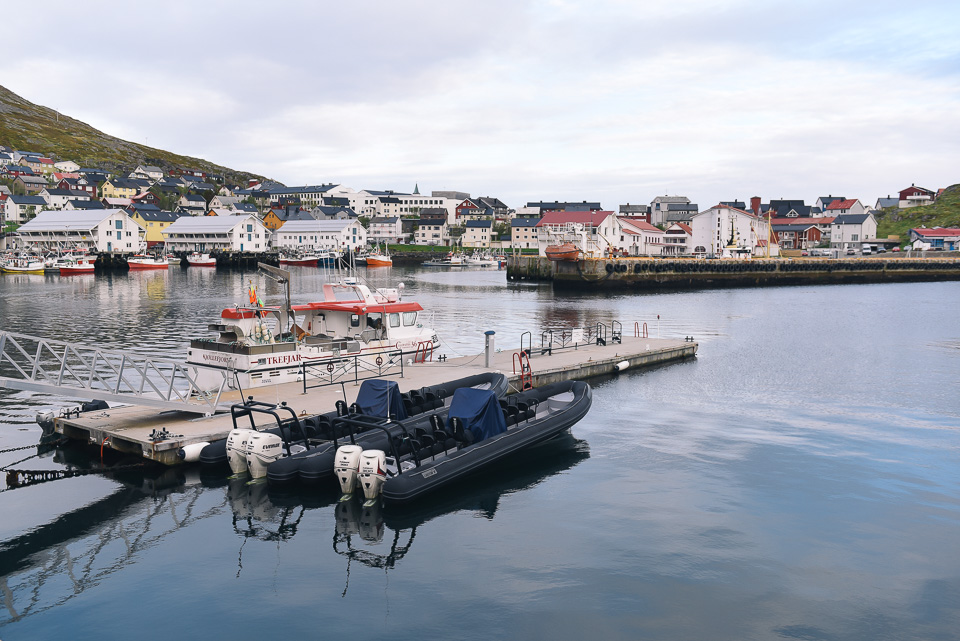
point(914, 196)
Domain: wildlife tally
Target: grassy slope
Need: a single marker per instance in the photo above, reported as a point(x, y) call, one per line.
point(943, 213)
point(24, 125)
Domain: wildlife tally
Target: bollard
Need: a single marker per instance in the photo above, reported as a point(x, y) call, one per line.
point(489, 346)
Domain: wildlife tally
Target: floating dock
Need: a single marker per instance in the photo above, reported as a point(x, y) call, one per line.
point(134, 429)
point(693, 273)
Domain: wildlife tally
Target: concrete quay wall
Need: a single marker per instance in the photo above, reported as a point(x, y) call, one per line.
point(680, 273)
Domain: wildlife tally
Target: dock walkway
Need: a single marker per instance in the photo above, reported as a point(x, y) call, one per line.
point(132, 429)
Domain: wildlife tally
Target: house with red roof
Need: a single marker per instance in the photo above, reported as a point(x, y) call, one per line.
point(676, 240)
point(842, 207)
point(914, 196)
point(640, 238)
point(936, 238)
point(596, 233)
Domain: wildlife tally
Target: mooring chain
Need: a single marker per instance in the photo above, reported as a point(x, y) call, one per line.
point(15, 449)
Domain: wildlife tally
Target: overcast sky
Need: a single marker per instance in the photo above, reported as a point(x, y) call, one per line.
point(609, 100)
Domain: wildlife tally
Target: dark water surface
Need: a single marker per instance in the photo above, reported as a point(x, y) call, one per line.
point(799, 480)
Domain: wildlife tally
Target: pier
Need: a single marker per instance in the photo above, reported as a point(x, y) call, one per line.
point(158, 435)
point(692, 273)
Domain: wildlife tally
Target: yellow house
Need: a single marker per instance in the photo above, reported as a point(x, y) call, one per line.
point(119, 188)
point(154, 222)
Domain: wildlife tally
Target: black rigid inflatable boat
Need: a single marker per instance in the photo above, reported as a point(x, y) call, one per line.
point(370, 428)
point(319, 428)
point(479, 430)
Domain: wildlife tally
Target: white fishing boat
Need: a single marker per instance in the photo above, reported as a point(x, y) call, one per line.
point(196, 259)
point(450, 260)
point(264, 344)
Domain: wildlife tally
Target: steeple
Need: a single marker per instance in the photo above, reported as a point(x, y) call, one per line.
point(416, 189)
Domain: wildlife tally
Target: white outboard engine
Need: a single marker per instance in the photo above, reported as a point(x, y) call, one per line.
point(263, 449)
point(372, 473)
point(345, 466)
point(237, 449)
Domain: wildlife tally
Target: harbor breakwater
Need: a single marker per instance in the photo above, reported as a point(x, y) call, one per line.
point(680, 273)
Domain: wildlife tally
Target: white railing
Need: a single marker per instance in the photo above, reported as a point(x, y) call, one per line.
point(40, 365)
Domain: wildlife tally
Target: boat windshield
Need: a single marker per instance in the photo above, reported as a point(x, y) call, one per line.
point(345, 293)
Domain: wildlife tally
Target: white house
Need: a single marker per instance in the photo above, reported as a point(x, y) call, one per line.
point(147, 172)
point(850, 230)
point(101, 230)
point(640, 238)
point(842, 207)
point(477, 233)
point(725, 231)
point(676, 240)
point(224, 202)
point(58, 198)
point(523, 231)
point(19, 209)
point(221, 233)
point(67, 166)
point(432, 230)
point(387, 229)
point(320, 234)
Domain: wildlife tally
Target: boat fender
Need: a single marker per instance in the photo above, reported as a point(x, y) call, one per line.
point(191, 453)
point(609, 268)
point(636, 268)
point(622, 365)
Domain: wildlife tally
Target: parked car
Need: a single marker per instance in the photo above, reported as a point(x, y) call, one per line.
point(895, 249)
point(851, 252)
point(881, 250)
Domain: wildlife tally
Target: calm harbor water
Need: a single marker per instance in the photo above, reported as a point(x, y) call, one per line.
point(800, 479)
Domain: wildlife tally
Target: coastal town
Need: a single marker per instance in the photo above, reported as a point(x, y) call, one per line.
point(56, 205)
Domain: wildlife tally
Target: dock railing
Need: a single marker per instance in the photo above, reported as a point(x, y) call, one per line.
point(344, 369)
point(40, 365)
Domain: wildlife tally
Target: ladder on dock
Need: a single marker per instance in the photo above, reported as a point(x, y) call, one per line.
point(67, 369)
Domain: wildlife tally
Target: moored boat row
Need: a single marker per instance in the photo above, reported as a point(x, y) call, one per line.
point(401, 446)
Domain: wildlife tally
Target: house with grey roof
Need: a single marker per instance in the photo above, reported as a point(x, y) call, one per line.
point(103, 231)
point(851, 230)
point(243, 233)
point(20, 209)
point(320, 235)
point(385, 229)
point(523, 232)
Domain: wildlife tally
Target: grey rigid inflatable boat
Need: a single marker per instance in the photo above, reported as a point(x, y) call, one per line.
point(478, 430)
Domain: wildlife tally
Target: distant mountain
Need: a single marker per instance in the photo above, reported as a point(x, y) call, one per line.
point(30, 127)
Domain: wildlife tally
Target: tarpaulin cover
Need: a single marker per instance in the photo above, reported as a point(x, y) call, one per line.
point(480, 412)
point(381, 398)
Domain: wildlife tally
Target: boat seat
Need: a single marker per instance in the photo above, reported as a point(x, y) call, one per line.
point(461, 436)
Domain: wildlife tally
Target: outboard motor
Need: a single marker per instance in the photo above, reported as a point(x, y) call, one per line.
point(372, 473)
point(45, 421)
point(263, 448)
point(237, 449)
point(345, 466)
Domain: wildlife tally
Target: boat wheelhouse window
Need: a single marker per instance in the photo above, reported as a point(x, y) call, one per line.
point(394, 320)
point(375, 320)
point(409, 318)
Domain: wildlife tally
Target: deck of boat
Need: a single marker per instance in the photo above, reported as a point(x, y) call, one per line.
point(133, 429)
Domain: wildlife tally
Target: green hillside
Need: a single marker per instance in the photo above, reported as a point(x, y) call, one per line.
point(24, 125)
point(945, 212)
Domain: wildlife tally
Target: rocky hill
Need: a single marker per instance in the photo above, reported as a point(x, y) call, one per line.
point(945, 212)
point(24, 125)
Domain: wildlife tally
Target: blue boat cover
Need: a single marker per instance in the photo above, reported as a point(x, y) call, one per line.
point(480, 412)
point(381, 398)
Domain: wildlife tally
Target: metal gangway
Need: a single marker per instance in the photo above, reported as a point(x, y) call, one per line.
point(67, 369)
